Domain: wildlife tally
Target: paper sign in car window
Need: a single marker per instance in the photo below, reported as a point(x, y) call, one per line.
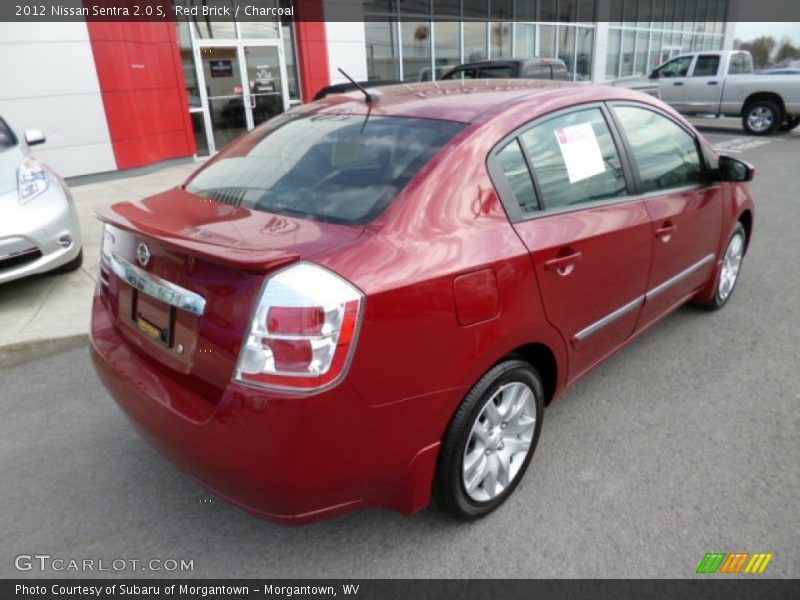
point(580, 151)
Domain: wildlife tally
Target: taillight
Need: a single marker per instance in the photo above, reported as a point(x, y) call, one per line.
point(303, 330)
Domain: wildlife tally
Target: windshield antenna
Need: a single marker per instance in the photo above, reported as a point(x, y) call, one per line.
point(367, 96)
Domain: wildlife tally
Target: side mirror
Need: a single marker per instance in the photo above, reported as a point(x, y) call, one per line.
point(34, 137)
point(653, 74)
point(733, 169)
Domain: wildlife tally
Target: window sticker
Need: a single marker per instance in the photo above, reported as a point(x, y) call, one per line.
point(580, 151)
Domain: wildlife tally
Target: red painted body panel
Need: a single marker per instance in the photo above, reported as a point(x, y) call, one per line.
point(144, 94)
point(429, 332)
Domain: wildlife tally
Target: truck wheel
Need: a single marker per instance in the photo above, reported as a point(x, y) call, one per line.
point(762, 117)
point(791, 123)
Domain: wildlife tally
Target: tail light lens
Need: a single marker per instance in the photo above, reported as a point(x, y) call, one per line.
point(303, 331)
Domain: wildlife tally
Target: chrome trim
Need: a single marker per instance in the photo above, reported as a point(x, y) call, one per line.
point(679, 277)
point(154, 286)
point(608, 319)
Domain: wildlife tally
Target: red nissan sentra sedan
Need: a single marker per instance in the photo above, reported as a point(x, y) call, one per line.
point(370, 303)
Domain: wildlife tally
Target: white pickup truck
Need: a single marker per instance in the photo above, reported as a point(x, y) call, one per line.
point(723, 84)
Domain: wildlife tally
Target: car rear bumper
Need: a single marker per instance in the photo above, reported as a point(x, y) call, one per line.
point(39, 236)
point(287, 458)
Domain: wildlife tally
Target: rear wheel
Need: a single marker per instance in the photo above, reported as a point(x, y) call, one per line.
point(790, 124)
point(490, 441)
point(729, 271)
point(762, 117)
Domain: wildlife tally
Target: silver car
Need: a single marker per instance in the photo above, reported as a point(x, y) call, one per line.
point(38, 223)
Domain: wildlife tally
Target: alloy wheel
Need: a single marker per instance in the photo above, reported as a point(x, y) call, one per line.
point(499, 441)
point(731, 264)
point(760, 118)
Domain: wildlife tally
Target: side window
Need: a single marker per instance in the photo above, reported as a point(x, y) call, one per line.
point(707, 65)
point(496, 72)
point(574, 159)
point(467, 73)
point(560, 72)
point(512, 162)
point(740, 64)
point(677, 67)
point(538, 72)
point(665, 154)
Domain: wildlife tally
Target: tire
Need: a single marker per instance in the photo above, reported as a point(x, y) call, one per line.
point(790, 124)
point(72, 265)
point(723, 287)
point(512, 384)
point(762, 117)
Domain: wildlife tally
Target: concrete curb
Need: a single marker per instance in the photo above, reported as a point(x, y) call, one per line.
point(15, 354)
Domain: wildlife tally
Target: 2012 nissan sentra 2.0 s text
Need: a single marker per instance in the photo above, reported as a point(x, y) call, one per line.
point(369, 301)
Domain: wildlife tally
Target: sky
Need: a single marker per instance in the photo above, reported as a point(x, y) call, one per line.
point(748, 31)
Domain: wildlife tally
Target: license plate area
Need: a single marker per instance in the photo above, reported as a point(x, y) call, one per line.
point(154, 319)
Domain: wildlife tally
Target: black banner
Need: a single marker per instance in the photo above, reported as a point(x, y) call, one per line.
point(368, 10)
point(365, 589)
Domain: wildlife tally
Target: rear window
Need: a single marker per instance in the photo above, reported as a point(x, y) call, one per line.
point(335, 168)
point(7, 139)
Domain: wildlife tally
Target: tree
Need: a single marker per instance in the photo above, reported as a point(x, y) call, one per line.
point(786, 52)
point(761, 48)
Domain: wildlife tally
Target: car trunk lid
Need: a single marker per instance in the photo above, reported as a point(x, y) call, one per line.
point(181, 275)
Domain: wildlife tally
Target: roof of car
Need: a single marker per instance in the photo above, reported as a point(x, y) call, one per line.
point(465, 101)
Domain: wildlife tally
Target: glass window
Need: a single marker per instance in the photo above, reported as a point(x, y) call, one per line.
point(446, 7)
point(266, 28)
point(382, 53)
point(512, 162)
point(613, 54)
point(502, 9)
point(740, 63)
point(416, 36)
point(628, 40)
point(496, 72)
point(463, 73)
point(665, 154)
point(547, 40)
point(538, 72)
point(586, 11)
point(476, 8)
point(566, 46)
point(677, 67)
point(524, 10)
point(583, 58)
point(655, 51)
point(447, 47)
point(199, 127)
point(574, 159)
point(213, 29)
point(501, 39)
point(707, 65)
point(640, 61)
point(416, 7)
point(334, 168)
point(474, 41)
point(379, 6)
point(548, 10)
point(292, 81)
point(525, 40)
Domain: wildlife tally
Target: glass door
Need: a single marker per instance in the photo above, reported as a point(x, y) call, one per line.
point(241, 86)
point(224, 93)
point(266, 94)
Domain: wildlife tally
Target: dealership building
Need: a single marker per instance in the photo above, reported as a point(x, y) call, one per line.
point(122, 95)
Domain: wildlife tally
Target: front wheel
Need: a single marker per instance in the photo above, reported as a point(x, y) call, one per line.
point(729, 271)
point(490, 441)
point(762, 117)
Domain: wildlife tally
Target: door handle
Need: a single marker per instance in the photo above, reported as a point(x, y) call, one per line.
point(664, 233)
point(563, 265)
point(712, 83)
point(677, 83)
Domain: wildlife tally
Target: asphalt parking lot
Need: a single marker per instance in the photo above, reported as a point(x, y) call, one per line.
point(686, 442)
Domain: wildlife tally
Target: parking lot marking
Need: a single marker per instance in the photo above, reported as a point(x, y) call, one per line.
point(741, 144)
